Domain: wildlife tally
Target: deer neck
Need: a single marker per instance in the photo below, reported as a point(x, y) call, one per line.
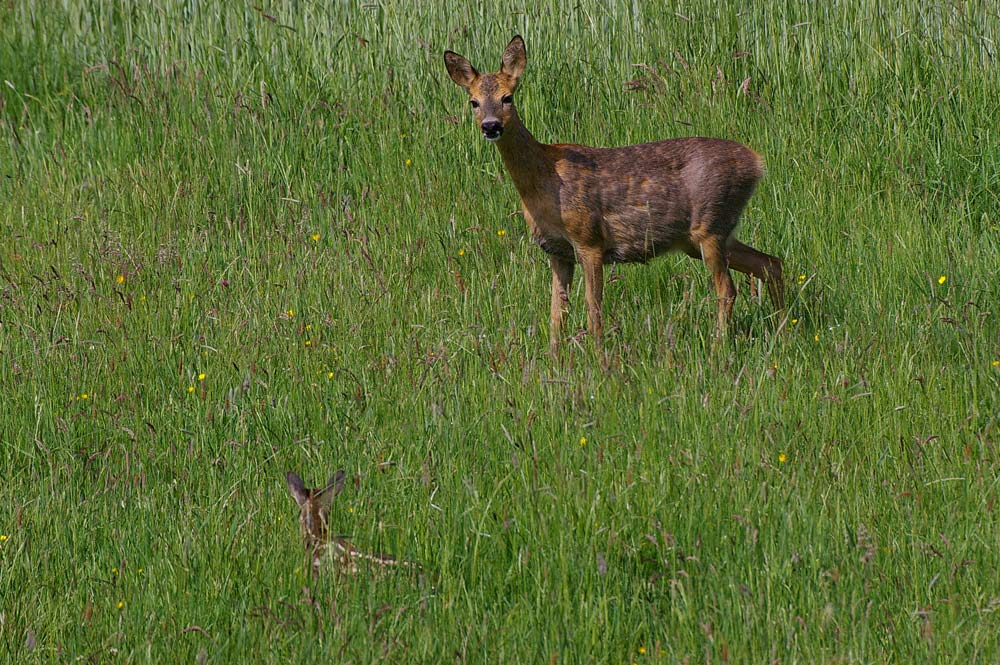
point(524, 157)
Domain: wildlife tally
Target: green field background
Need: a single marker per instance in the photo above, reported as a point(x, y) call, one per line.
point(240, 239)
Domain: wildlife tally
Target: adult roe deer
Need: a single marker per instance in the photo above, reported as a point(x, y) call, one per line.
point(314, 521)
point(617, 205)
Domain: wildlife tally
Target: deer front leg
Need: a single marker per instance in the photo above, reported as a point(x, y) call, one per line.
point(562, 277)
point(592, 263)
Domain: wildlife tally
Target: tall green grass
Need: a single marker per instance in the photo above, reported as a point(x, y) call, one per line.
point(241, 240)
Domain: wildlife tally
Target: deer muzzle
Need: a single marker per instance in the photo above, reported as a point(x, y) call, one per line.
point(492, 129)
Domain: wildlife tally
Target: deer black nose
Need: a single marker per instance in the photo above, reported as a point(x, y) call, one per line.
point(492, 129)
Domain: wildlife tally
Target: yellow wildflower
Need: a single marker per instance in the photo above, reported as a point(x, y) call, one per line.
point(315, 237)
point(201, 377)
point(782, 457)
point(84, 396)
point(409, 163)
point(120, 278)
point(501, 232)
point(461, 252)
point(583, 441)
point(642, 650)
point(190, 389)
point(121, 604)
point(942, 279)
point(3, 537)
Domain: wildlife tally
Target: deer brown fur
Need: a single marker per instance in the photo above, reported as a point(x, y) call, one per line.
point(314, 522)
point(593, 206)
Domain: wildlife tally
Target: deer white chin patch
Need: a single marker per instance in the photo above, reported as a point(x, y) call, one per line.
point(492, 138)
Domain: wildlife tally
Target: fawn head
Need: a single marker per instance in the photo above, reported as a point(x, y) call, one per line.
point(314, 507)
point(491, 95)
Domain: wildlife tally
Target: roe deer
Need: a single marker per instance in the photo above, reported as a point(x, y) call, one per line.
point(616, 205)
point(314, 515)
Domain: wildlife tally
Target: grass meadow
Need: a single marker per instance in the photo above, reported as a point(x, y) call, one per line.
point(240, 239)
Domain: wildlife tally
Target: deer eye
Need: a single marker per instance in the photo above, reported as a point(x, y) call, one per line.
point(507, 99)
point(474, 103)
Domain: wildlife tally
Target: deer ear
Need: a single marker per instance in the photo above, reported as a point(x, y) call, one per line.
point(461, 70)
point(297, 488)
point(337, 482)
point(514, 58)
point(333, 487)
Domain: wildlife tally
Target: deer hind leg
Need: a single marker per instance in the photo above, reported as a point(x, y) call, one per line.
point(763, 266)
point(562, 277)
point(714, 255)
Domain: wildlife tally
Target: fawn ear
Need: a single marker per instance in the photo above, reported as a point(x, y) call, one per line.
point(514, 58)
point(334, 487)
point(337, 482)
point(461, 70)
point(297, 488)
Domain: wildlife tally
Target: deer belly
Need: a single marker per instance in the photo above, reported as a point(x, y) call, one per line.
point(638, 241)
point(555, 246)
point(637, 252)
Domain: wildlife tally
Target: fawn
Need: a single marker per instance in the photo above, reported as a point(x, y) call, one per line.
point(314, 515)
point(619, 205)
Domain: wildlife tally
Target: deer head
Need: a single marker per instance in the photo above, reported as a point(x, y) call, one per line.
point(314, 507)
point(491, 95)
